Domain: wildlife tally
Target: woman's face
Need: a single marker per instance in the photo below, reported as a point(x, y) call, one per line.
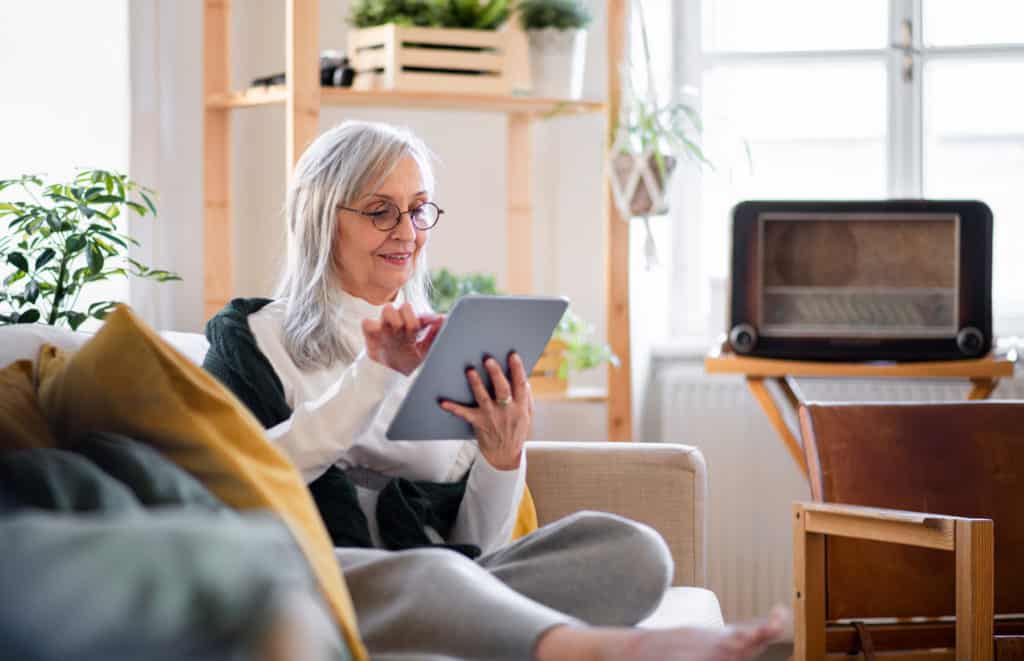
point(374, 264)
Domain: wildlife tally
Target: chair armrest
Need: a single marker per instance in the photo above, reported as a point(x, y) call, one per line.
point(661, 484)
point(936, 531)
point(970, 539)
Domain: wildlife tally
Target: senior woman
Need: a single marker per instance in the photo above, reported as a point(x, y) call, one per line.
point(325, 367)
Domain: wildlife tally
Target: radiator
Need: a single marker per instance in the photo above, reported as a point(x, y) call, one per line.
point(752, 481)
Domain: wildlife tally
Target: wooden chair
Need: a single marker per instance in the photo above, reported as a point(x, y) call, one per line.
point(877, 573)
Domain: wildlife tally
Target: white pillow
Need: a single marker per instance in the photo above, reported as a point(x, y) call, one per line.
point(22, 341)
point(193, 345)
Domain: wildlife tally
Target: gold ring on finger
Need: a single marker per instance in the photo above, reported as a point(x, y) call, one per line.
point(505, 401)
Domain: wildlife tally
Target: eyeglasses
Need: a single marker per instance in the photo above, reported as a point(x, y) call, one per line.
point(386, 216)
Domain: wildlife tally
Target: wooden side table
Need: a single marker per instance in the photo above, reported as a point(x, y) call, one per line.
point(983, 373)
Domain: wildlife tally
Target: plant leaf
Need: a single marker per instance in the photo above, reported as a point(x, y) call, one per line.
point(45, 257)
point(18, 260)
point(75, 319)
point(31, 291)
point(74, 243)
point(101, 309)
point(94, 257)
point(53, 220)
point(113, 238)
point(149, 202)
point(29, 316)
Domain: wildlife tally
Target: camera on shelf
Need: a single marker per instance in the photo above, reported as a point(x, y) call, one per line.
point(335, 71)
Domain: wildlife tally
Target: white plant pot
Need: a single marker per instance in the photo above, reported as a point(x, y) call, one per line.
point(556, 62)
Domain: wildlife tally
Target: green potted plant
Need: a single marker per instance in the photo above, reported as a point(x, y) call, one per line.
point(434, 46)
point(571, 348)
point(447, 287)
point(465, 14)
point(62, 237)
point(557, 34)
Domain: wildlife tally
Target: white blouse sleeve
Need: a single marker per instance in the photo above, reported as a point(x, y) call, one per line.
point(491, 505)
point(319, 431)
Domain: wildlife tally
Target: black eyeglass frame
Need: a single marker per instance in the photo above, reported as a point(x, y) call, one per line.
point(372, 215)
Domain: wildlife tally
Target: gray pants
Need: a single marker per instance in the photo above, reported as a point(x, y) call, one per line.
point(590, 567)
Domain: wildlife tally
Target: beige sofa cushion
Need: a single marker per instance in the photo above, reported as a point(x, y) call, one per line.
point(660, 484)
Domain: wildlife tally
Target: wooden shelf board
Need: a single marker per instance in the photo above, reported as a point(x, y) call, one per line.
point(254, 96)
point(330, 96)
point(577, 395)
point(990, 367)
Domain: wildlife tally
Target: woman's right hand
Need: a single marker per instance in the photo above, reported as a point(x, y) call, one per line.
point(400, 339)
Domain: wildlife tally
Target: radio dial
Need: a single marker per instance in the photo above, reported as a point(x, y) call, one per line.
point(743, 338)
point(970, 341)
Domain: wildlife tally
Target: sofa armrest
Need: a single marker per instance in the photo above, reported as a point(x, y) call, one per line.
point(661, 484)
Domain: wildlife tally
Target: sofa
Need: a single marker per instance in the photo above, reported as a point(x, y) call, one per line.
point(661, 484)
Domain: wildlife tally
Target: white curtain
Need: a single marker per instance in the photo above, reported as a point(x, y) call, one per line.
point(165, 39)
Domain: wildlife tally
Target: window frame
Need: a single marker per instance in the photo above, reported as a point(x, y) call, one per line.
point(905, 158)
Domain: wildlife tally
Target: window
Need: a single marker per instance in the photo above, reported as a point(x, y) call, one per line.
point(873, 99)
point(64, 66)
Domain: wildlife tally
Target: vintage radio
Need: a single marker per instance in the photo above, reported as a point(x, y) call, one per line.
point(874, 280)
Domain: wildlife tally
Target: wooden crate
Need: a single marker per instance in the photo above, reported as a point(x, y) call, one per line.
point(544, 377)
point(390, 57)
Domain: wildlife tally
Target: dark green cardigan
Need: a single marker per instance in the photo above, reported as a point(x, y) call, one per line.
point(404, 506)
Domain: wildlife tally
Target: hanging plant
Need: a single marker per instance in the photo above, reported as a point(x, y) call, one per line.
point(650, 140)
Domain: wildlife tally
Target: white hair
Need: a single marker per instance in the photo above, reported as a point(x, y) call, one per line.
point(347, 162)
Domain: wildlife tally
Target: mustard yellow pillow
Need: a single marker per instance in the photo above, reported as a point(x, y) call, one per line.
point(127, 380)
point(526, 519)
point(22, 423)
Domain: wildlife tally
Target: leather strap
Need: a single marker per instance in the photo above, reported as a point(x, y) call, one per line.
point(866, 645)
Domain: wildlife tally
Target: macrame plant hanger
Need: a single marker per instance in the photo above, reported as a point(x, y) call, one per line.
point(639, 182)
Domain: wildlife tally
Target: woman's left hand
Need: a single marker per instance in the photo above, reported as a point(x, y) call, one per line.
point(502, 423)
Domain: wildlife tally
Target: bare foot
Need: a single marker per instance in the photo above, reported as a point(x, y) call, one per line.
point(734, 643)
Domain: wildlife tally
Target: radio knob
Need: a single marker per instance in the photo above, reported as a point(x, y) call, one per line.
point(743, 338)
point(970, 341)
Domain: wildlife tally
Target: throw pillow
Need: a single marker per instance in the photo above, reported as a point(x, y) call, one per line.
point(526, 519)
point(22, 423)
point(127, 380)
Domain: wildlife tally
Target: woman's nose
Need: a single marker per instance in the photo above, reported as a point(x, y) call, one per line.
point(404, 230)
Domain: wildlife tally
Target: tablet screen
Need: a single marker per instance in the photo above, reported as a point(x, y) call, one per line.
point(477, 326)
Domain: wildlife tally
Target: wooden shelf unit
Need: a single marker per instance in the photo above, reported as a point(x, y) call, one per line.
point(303, 98)
point(331, 96)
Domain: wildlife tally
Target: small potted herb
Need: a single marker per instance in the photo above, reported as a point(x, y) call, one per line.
point(571, 348)
point(446, 288)
point(557, 34)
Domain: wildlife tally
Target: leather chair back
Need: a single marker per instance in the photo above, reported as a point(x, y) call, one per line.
point(961, 459)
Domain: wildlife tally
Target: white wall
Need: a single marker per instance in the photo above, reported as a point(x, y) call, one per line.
point(568, 183)
point(64, 100)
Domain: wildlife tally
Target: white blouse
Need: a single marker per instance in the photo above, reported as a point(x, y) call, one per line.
point(340, 414)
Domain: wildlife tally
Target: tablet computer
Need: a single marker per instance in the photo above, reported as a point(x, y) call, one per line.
point(476, 327)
